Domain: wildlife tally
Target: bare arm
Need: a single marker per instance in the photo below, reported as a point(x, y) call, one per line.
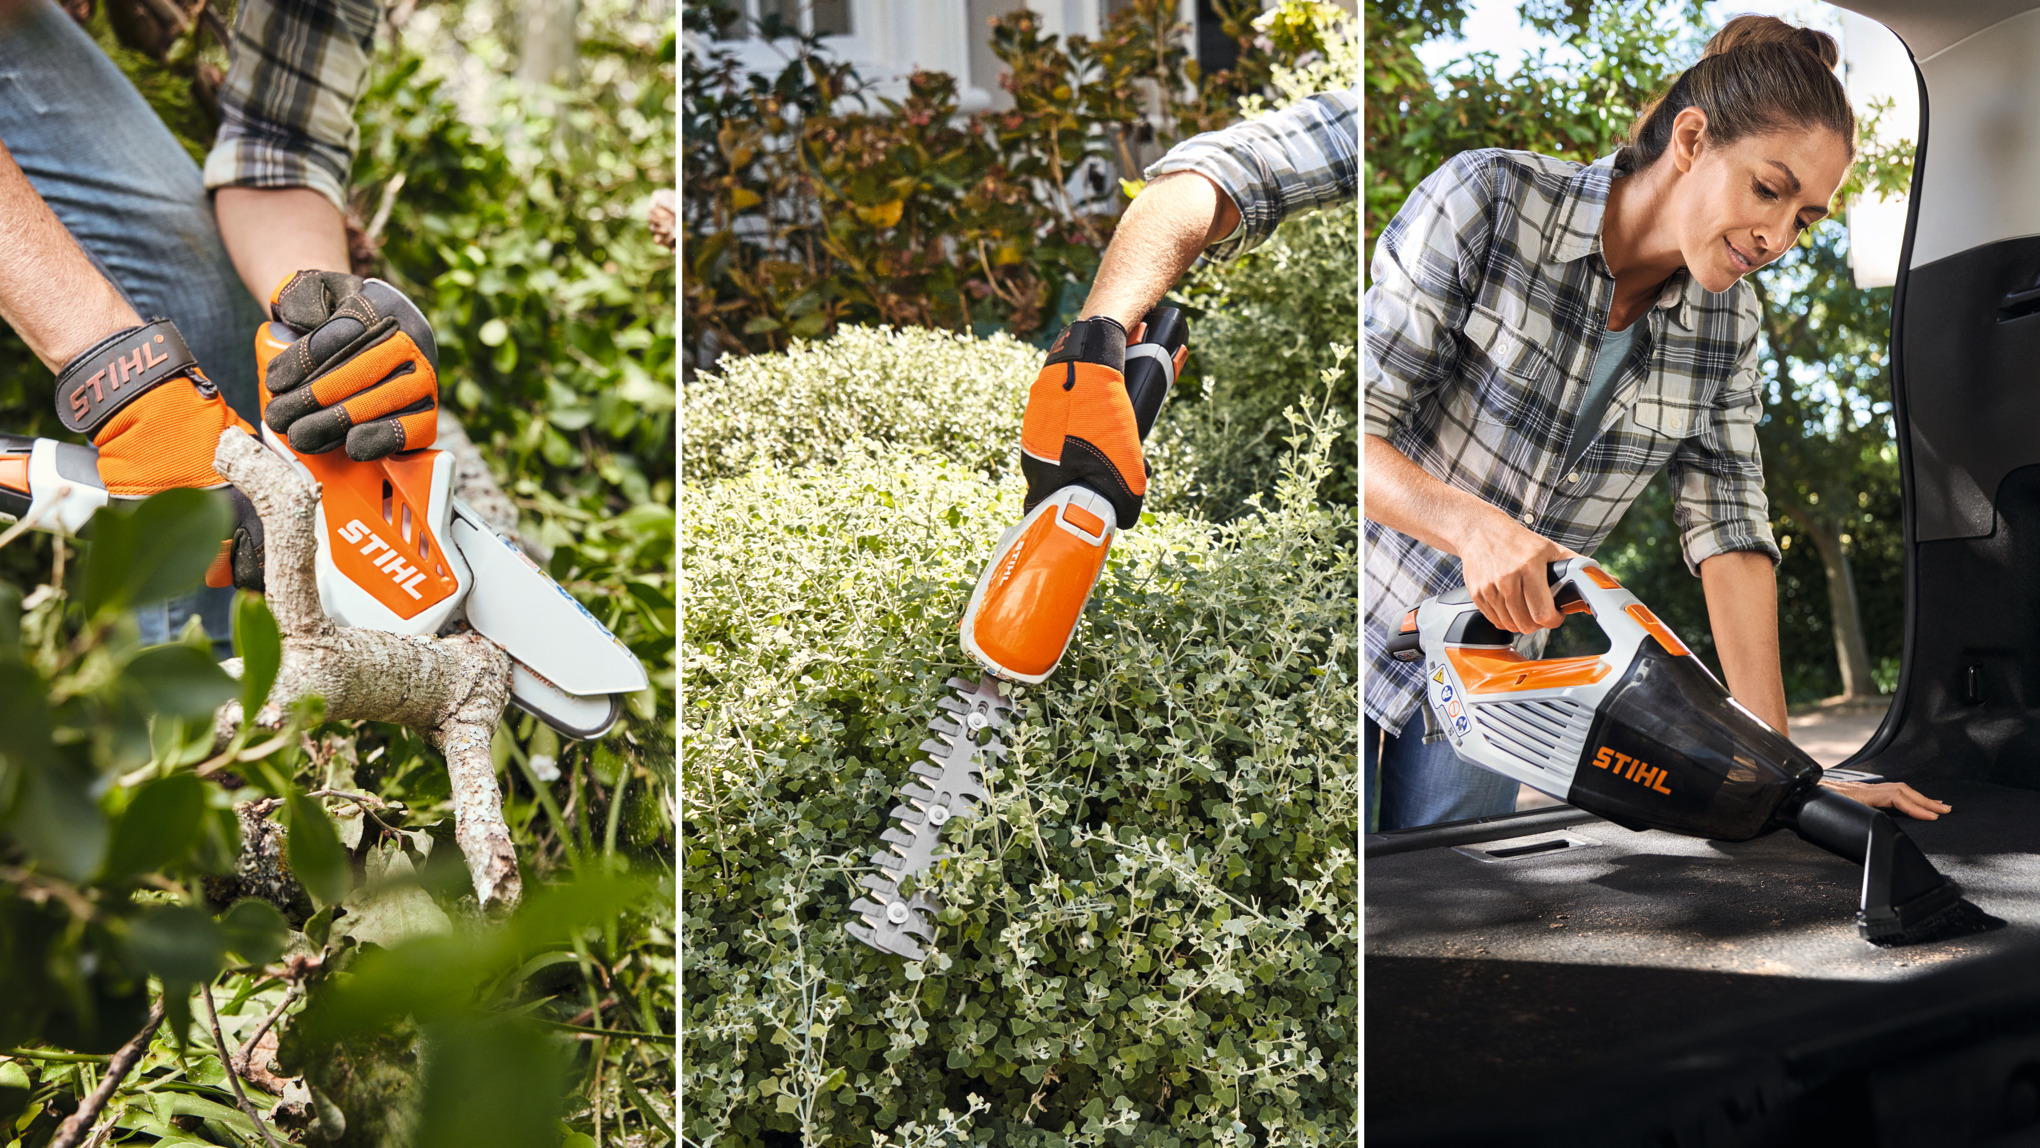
point(1168, 226)
point(1504, 561)
point(50, 292)
point(1742, 609)
point(272, 232)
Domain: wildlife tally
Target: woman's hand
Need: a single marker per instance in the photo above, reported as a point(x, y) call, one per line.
point(1507, 572)
point(1892, 795)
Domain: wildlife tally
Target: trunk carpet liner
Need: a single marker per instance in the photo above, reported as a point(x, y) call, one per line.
point(1486, 978)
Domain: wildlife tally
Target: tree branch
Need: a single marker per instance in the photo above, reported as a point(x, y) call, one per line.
point(212, 1013)
point(73, 1129)
point(453, 689)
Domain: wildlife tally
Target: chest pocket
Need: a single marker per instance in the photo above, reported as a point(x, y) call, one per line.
point(1674, 406)
point(1514, 380)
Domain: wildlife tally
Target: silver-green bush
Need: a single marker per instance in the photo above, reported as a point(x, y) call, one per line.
point(872, 385)
point(1152, 932)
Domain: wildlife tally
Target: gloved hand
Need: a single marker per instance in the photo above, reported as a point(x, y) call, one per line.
point(364, 371)
point(1080, 425)
point(139, 396)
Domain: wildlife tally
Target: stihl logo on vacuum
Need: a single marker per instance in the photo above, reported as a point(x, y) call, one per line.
point(392, 563)
point(1633, 768)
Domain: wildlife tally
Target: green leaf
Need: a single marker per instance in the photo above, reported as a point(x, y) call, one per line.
point(176, 681)
point(10, 620)
point(493, 333)
point(256, 931)
point(160, 825)
point(490, 1082)
point(314, 851)
point(179, 943)
point(55, 818)
point(157, 550)
point(260, 648)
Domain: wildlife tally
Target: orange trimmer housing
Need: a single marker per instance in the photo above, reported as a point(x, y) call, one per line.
point(1028, 601)
point(377, 522)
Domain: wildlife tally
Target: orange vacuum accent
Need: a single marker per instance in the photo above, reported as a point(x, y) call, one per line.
point(1658, 630)
point(1508, 672)
point(14, 472)
point(1602, 578)
point(1031, 605)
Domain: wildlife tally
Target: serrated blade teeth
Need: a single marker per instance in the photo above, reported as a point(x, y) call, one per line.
point(954, 772)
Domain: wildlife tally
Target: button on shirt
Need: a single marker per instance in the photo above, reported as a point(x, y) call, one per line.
point(1488, 305)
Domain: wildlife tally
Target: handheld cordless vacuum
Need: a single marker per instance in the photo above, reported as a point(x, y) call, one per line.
point(1646, 737)
point(1019, 622)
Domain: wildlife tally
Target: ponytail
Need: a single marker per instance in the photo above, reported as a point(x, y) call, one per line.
point(1758, 74)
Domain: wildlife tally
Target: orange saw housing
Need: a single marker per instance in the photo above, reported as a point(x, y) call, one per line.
point(376, 527)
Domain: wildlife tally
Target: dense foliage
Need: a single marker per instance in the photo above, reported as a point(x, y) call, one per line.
point(517, 223)
point(811, 201)
point(1151, 931)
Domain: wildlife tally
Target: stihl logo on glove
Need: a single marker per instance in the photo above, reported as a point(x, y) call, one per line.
point(116, 373)
point(391, 562)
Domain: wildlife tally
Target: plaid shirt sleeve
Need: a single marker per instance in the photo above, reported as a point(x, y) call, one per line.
point(1717, 475)
point(1302, 158)
point(1419, 296)
point(287, 107)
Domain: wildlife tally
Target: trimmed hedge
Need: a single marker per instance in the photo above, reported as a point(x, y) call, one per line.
point(1151, 934)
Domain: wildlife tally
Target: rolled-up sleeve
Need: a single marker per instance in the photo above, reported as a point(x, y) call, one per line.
point(1419, 296)
point(1717, 476)
point(1302, 158)
point(287, 106)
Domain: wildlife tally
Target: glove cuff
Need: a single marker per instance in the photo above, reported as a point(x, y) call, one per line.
point(119, 369)
point(1099, 339)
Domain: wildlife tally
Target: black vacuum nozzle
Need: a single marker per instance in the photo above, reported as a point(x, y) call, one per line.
point(1906, 901)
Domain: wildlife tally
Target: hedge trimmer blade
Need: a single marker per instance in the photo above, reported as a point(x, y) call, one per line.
point(954, 773)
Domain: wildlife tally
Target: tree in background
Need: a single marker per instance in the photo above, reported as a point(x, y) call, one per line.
point(1830, 466)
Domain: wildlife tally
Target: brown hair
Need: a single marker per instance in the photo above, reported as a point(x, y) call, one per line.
point(1758, 74)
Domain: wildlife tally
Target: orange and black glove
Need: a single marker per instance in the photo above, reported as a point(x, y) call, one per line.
point(139, 396)
point(1080, 425)
point(363, 373)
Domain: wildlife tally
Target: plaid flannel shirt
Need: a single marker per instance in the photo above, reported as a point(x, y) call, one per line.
point(1302, 158)
point(1487, 307)
point(287, 106)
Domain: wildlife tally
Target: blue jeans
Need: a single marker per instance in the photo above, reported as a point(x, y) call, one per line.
point(133, 198)
point(1424, 783)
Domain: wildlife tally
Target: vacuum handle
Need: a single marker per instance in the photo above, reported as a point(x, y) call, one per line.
point(1152, 363)
point(1405, 645)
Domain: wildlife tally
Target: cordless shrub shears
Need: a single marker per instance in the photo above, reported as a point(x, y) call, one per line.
point(396, 552)
point(1017, 626)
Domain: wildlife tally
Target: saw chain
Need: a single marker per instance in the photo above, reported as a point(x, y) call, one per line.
point(951, 785)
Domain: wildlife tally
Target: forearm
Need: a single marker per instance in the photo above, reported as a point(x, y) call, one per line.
point(1404, 496)
point(51, 293)
point(1742, 608)
point(272, 232)
point(1167, 227)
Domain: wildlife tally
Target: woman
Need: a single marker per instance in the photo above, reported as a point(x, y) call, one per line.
point(1543, 336)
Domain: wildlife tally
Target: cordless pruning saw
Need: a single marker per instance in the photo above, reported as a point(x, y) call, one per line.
point(1019, 622)
point(396, 552)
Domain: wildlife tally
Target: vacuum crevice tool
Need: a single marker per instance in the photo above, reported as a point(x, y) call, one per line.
point(1906, 901)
